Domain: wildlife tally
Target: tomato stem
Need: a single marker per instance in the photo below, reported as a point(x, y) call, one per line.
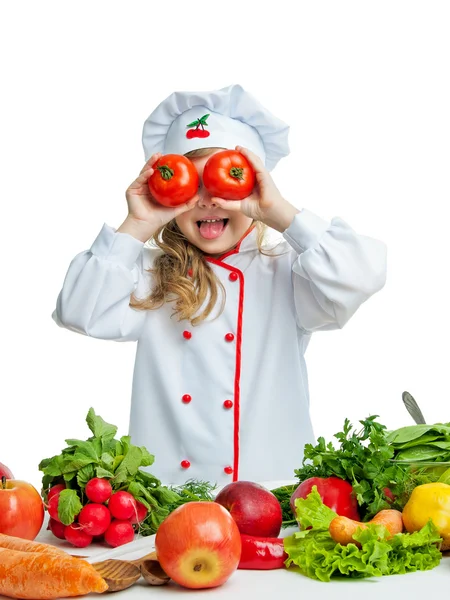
point(166, 172)
point(237, 172)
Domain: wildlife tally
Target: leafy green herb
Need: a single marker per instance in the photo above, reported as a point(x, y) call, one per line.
point(319, 557)
point(421, 443)
point(365, 459)
point(283, 495)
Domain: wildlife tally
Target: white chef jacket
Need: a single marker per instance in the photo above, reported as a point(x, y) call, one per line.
point(227, 399)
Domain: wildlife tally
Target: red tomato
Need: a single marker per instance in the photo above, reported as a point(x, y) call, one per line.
point(336, 493)
point(21, 509)
point(175, 180)
point(229, 175)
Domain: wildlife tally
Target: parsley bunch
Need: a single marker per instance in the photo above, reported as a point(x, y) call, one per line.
point(364, 458)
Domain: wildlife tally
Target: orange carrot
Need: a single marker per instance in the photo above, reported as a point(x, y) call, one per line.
point(44, 576)
point(391, 519)
point(342, 529)
point(15, 543)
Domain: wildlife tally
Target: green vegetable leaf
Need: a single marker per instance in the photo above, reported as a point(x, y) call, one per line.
point(130, 463)
point(312, 512)
point(107, 459)
point(83, 448)
point(103, 473)
point(69, 505)
point(84, 475)
point(99, 427)
point(319, 557)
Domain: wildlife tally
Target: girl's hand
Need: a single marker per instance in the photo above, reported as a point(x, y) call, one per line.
point(145, 215)
point(265, 203)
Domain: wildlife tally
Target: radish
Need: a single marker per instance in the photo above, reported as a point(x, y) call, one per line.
point(98, 490)
point(122, 505)
point(76, 536)
point(57, 528)
point(94, 519)
point(141, 513)
point(52, 507)
point(119, 533)
point(55, 490)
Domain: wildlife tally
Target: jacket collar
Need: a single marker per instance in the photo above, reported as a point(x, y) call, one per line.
point(247, 242)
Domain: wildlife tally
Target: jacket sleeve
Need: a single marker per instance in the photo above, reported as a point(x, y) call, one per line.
point(334, 272)
point(95, 296)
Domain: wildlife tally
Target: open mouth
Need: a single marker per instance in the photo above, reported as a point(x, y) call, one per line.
point(211, 229)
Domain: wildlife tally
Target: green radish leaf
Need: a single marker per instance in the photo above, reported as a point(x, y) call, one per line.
point(69, 505)
point(99, 427)
point(70, 476)
point(147, 458)
point(126, 443)
point(117, 461)
point(107, 459)
point(147, 479)
point(164, 495)
point(131, 462)
point(84, 448)
point(84, 475)
point(54, 466)
point(103, 473)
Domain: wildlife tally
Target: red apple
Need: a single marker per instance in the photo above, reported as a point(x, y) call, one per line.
point(5, 472)
point(254, 508)
point(198, 545)
point(21, 509)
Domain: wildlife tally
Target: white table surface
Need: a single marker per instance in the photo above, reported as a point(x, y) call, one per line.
point(284, 583)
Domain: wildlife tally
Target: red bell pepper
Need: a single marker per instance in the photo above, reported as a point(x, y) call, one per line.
point(336, 493)
point(261, 552)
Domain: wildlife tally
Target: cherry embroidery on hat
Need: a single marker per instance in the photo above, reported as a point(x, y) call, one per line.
point(197, 132)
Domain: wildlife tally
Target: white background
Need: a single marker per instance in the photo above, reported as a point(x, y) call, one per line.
point(365, 87)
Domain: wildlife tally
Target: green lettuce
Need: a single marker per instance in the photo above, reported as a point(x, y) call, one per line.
point(318, 556)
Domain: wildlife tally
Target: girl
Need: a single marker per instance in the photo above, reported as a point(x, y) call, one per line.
point(221, 321)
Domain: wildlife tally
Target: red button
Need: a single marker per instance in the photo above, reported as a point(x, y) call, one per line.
point(233, 276)
point(186, 398)
point(229, 337)
point(228, 470)
point(187, 335)
point(185, 464)
point(228, 404)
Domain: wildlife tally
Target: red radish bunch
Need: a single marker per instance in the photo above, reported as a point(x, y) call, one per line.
point(107, 515)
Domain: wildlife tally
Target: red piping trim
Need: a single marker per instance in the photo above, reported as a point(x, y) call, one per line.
point(237, 374)
point(237, 248)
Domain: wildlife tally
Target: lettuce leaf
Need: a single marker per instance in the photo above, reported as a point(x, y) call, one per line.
point(318, 556)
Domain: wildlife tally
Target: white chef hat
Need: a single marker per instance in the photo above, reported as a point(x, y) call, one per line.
point(222, 118)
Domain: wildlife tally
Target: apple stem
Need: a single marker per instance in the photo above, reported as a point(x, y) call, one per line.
point(3, 484)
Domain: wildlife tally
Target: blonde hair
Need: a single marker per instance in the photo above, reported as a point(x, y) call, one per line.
point(181, 274)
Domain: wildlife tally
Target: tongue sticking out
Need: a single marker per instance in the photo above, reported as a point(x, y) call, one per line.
point(210, 231)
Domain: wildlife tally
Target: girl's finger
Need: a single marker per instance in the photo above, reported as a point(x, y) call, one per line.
point(144, 176)
point(188, 206)
point(253, 159)
point(151, 161)
point(230, 205)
